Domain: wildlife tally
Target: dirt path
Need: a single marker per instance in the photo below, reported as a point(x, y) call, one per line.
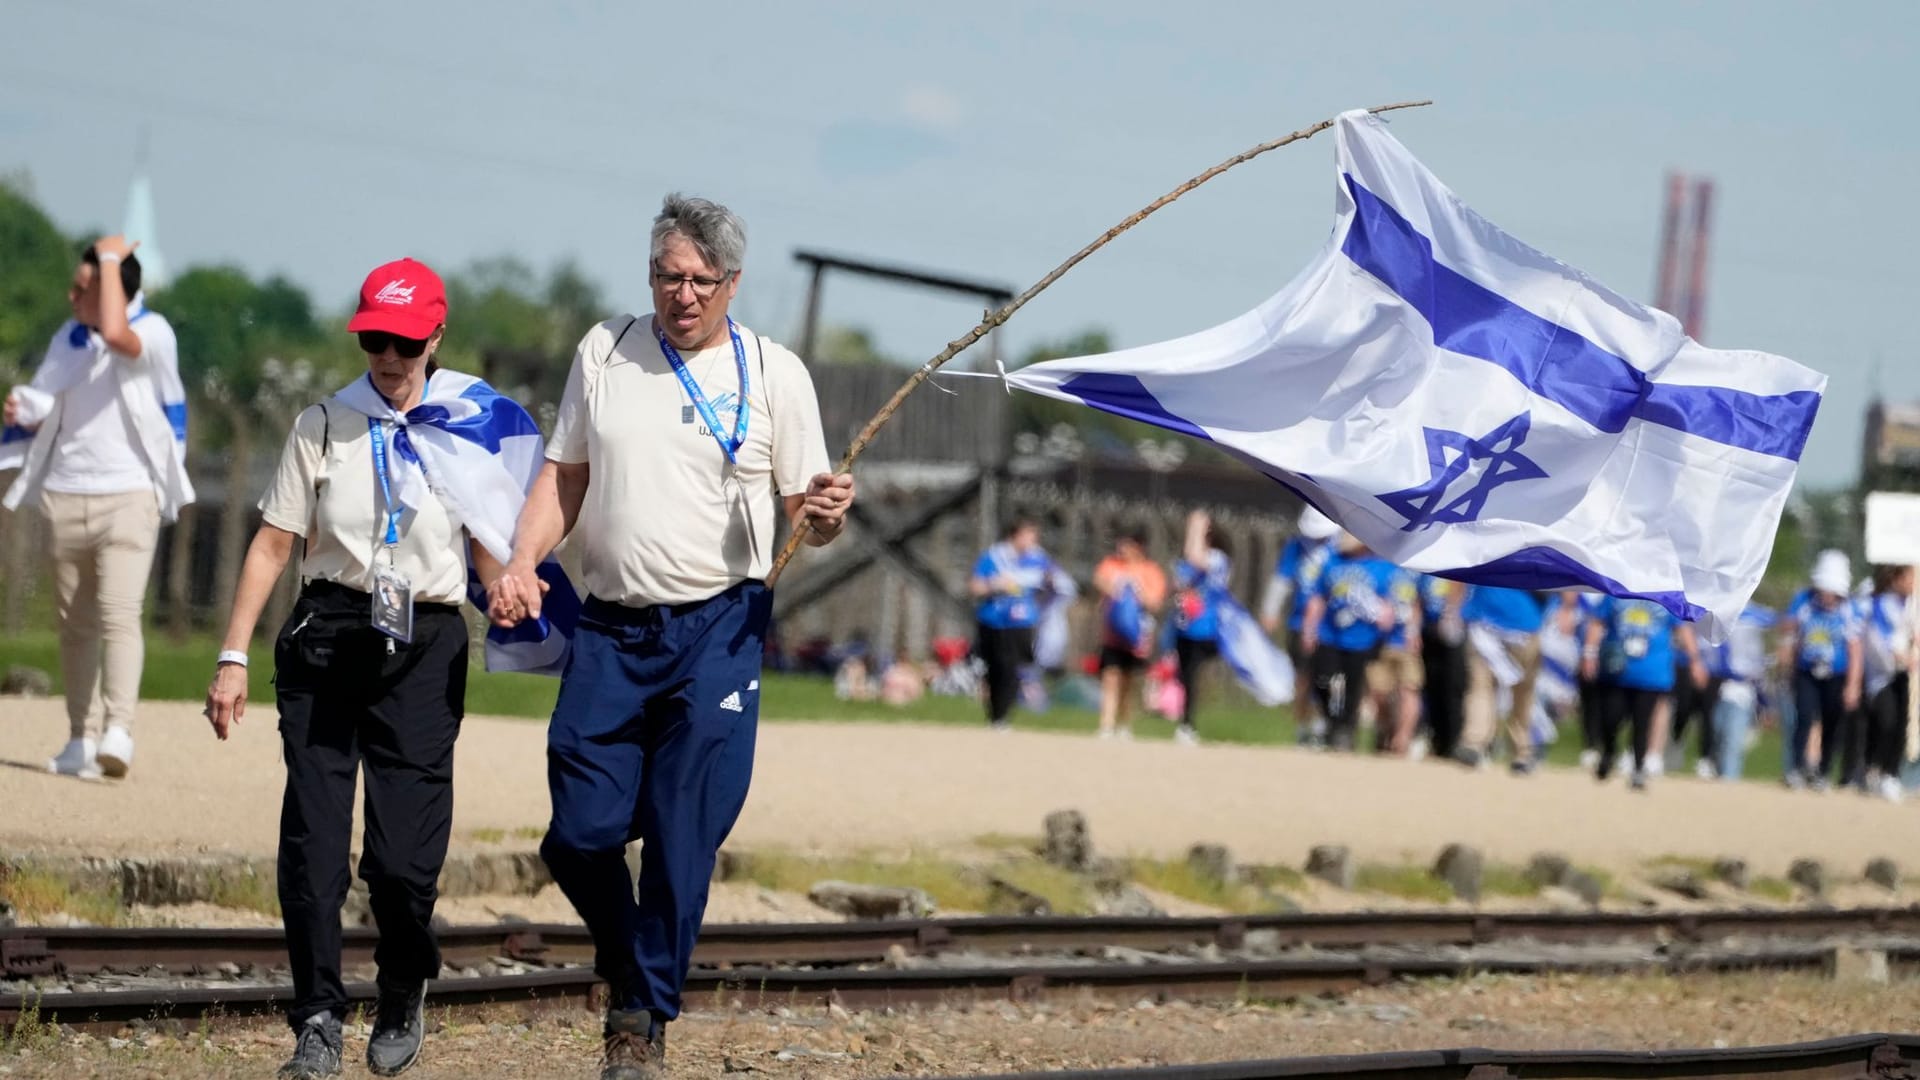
point(843, 787)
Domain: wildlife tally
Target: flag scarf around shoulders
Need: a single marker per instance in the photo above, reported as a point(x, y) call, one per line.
point(1470, 407)
point(1257, 664)
point(482, 451)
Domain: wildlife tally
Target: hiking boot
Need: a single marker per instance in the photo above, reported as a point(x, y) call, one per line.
point(316, 1050)
point(399, 1026)
point(635, 1046)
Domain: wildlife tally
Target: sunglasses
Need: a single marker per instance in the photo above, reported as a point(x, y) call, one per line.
point(376, 342)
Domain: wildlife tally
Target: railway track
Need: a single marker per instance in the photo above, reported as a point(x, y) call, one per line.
point(27, 951)
point(857, 965)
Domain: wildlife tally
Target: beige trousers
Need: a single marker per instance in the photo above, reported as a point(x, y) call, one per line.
point(102, 553)
point(1482, 695)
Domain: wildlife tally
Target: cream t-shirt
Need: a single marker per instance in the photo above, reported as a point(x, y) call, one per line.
point(666, 519)
point(97, 451)
point(332, 498)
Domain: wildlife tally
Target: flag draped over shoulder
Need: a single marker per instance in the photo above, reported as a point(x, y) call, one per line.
point(1470, 407)
point(1265, 671)
point(478, 452)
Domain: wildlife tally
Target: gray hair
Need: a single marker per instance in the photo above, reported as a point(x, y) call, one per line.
point(713, 230)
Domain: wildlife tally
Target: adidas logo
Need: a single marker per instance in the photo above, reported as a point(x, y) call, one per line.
point(396, 291)
point(731, 702)
point(754, 685)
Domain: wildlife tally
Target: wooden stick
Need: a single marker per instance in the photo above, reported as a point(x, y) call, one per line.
point(995, 318)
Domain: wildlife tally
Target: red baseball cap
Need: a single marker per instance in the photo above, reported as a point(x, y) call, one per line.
point(402, 297)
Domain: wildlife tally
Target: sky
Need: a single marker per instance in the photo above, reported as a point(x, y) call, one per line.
point(992, 140)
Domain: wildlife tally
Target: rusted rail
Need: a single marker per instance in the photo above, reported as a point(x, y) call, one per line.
point(934, 984)
point(78, 950)
point(1855, 1057)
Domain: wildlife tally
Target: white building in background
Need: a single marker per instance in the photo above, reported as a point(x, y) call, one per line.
point(138, 226)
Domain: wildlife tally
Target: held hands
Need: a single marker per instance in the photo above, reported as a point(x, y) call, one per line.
point(515, 595)
point(825, 507)
point(226, 698)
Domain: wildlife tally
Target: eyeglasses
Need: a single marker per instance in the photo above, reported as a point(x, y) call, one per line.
point(375, 342)
point(703, 287)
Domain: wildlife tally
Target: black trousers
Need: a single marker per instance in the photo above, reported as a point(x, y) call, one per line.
point(1691, 702)
point(1887, 727)
point(348, 706)
point(1621, 705)
point(1446, 690)
point(1593, 714)
point(1343, 675)
point(1005, 653)
point(1192, 655)
point(1821, 701)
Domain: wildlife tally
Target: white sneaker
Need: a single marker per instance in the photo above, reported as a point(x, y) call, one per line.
point(116, 751)
point(1185, 736)
point(1656, 765)
point(75, 759)
point(1106, 735)
point(1126, 734)
point(1704, 769)
point(1890, 789)
point(1589, 759)
point(1419, 748)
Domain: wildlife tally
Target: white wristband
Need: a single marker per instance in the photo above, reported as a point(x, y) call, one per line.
point(230, 656)
point(107, 256)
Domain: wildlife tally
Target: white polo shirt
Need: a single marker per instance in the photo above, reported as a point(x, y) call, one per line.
point(666, 519)
point(96, 451)
point(331, 497)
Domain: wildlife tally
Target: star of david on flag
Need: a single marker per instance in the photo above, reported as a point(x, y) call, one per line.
point(1471, 407)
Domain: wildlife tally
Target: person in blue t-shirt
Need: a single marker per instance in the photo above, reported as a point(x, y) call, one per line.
point(1006, 585)
point(1820, 644)
point(1200, 577)
point(1443, 653)
point(1887, 643)
point(1296, 575)
point(1630, 649)
point(1350, 613)
point(1510, 620)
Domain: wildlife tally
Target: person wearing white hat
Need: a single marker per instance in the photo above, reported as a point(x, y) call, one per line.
point(1295, 575)
point(1821, 646)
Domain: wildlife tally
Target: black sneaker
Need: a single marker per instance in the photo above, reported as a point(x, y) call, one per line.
point(399, 1025)
point(636, 1046)
point(316, 1050)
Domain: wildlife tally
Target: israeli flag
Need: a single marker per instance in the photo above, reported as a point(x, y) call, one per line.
point(1265, 671)
point(1470, 407)
point(477, 451)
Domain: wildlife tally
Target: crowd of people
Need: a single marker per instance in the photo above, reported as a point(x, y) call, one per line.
point(1473, 674)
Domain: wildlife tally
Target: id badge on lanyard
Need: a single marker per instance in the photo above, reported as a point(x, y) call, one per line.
point(730, 446)
point(392, 592)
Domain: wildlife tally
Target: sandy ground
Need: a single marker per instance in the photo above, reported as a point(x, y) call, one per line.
point(870, 787)
point(1555, 1012)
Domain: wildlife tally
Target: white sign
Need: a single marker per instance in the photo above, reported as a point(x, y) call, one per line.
point(1893, 529)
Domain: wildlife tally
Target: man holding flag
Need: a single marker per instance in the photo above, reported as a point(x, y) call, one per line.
point(1466, 405)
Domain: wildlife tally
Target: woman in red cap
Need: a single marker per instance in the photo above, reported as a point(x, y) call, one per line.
point(371, 667)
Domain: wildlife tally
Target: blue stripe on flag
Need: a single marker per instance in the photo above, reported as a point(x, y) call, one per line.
point(14, 433)
point(177, 417)
point(1536, 568)
point(1555, 362)
point(1124, 395)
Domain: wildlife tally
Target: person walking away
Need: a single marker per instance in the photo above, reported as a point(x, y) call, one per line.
point(1132, 591)
point(1630, 646)
point(1739, 664)
point(1202, 574)
point(1887, 645)
point(1006, 585)
point(683, 441)
point(1396, 677)
point(1443, 655)
point(1296, 574)
point(1694, 705)
point(1503, 626)
point(1820, 645)
point(1347, 618)
point(370, 669)
point(99, 435)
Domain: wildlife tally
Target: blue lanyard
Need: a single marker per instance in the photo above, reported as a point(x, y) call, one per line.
point(731, 448)
point(379, 437)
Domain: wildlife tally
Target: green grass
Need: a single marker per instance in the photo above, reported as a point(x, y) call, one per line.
point(1407, 881)
point(1502, 879)
point(37, 894)
point(952, 886)
point(1066, 893)
point(1779, 890)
